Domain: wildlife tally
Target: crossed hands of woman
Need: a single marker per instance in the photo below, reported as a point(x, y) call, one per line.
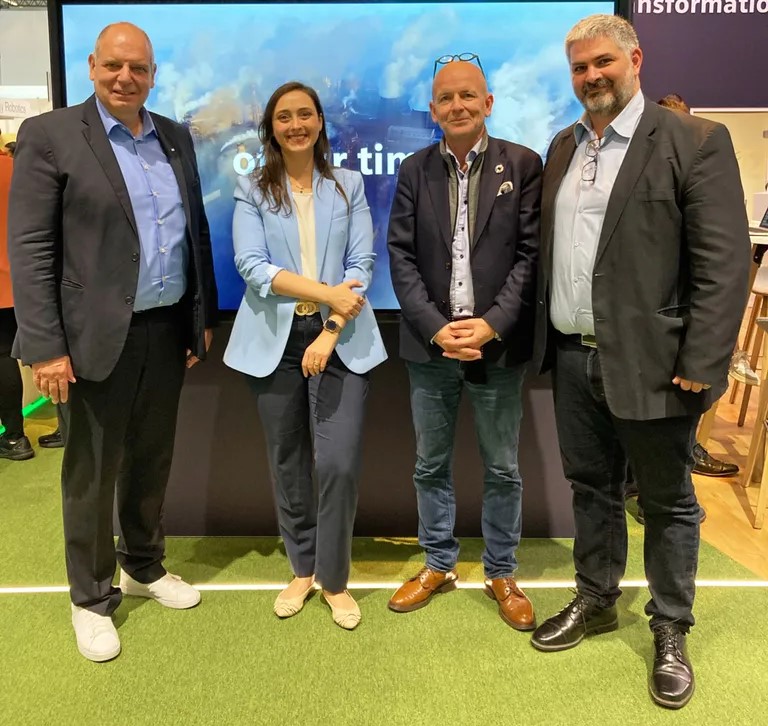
point(345, 303)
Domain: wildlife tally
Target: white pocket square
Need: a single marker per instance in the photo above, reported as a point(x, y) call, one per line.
point(505, 188)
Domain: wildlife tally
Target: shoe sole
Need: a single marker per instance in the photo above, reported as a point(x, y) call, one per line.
point(19, 457)
point(50, 446)
point(715, 476)
point(599, 630)
point(512, 624)
point(165, 603)
point(447, 587)
point(99, 657)
point(672, 704)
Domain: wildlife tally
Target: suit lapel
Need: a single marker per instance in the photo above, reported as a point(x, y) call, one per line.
point(437, 186)
point(490, 181)
point(325, 199)
point(290, 227)
point(639, 152)
point(96, 137)
point(174, 158)
point(558, 161)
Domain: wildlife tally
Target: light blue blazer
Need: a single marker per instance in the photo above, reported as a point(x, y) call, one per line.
point(266, 242)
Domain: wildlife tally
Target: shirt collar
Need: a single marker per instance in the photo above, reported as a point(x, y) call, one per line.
point(110, 122)
point(474, 152)
point(623, 125)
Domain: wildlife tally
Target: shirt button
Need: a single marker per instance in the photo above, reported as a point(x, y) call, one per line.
point(160, 221)
point(129, 299)
point(460, 284)
point(162, 250)
point(145, 167)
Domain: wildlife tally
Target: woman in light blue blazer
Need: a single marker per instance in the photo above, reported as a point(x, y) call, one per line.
point(306, 338)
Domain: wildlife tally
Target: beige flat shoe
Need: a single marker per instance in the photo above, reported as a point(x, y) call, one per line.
point(286, 607)
point(347, 619)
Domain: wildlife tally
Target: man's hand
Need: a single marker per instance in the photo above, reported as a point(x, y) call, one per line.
point(692, 386)
point(470, 336)
point(52, 378)
point(318, 353)
point(193, 359)
point(452, 343)
point(344, 301)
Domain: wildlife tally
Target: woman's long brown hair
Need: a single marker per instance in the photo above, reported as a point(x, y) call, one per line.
point(270, 178)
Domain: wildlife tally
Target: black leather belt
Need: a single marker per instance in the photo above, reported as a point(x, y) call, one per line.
point(586, 341)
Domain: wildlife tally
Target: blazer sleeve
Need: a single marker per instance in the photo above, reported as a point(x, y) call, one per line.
point(207, 276)
point(407, 281)
point(249, 239)
point(518, 292)
point(359, 255)
point(717, 240)
point(35, 245)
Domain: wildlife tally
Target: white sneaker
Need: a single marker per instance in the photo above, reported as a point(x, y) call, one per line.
point(741, 371)
point(96, 636)
point(170, 590)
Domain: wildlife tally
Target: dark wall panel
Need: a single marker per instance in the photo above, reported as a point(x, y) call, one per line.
point(220, 483)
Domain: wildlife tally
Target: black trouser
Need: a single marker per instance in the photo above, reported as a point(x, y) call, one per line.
point(11, 387)
point(119, 436)
point(596, 448)
point(313, 421)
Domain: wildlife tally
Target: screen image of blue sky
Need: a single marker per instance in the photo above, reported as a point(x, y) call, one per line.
point(371, 64)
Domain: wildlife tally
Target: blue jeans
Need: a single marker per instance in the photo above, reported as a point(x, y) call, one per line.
point(596, 448)
point(436, 389)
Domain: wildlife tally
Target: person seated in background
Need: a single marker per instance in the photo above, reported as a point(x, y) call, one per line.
point(14, 445)
point(306, 339)
point(10, 149)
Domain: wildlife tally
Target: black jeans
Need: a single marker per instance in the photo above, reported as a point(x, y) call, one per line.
point(11, 387)
point(596, 447)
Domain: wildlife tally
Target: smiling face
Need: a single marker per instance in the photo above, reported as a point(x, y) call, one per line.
point(460, 102)
point(604, 77)
point(122, 70)
point(296, 123)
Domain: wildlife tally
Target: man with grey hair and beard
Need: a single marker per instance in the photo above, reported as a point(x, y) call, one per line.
point(642, 283)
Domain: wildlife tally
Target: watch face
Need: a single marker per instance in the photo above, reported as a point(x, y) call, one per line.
point(331, 326)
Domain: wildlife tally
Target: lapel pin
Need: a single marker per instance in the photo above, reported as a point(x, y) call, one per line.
point(499, 168)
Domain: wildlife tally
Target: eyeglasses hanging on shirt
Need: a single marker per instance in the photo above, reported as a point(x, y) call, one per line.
point(589, 170)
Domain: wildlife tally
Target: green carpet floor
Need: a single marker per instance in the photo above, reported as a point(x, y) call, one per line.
point(230, 661)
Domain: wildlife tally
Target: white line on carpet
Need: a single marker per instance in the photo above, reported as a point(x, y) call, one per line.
point(277, 586)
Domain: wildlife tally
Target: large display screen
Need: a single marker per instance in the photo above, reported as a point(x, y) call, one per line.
point(372, 65)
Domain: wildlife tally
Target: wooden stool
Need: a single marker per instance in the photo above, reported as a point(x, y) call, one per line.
point(758, 441)
point(760, 307)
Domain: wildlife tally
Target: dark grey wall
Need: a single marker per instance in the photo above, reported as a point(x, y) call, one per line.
point(220, 483)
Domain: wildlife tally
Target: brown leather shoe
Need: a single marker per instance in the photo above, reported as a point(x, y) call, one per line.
point(416, 592)
point(514, 607)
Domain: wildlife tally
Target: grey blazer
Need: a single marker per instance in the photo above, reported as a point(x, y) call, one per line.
point(670, 277)
point(74, 246)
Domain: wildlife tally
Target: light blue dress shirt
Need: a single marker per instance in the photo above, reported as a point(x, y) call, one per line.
point(579, 213)
point(462, 290)
point(157, 208)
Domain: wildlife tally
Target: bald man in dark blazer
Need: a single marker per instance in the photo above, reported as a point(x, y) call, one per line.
point(115, 296)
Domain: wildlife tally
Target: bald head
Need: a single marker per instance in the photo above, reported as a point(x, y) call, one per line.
point(122, 68)
point(124, 28)
point(460, 104)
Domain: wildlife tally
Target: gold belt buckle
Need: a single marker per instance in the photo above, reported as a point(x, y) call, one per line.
point(589, 340)
point(306, 308)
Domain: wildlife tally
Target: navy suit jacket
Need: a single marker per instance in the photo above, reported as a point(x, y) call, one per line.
point(504, 250)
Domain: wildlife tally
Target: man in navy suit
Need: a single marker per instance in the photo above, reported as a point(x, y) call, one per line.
point(463, 241)
point(115, 296)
